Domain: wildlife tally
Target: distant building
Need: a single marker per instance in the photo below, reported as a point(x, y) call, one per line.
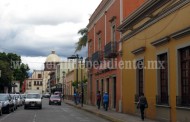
point(50, 65)
point(36, 81)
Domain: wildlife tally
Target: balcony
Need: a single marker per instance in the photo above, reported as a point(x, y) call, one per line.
point(97, 56)
point(110, 50)
point(183, 101)
point(88, 62)
point(162, 100)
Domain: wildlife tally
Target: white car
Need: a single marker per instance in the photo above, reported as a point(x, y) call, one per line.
point(33, 100)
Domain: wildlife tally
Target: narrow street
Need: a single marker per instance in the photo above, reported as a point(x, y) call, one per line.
point(51, 113)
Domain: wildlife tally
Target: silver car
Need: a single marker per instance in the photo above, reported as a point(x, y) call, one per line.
point(1, 108)
point(33, 100)
point(15, 101)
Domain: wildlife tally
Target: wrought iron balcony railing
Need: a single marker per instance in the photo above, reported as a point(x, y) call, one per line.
point(162, 100)
point(110, 50)
point(183, 101)
point(97, 56)
point(88, 62)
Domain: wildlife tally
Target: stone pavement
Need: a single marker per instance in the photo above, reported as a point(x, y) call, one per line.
point(108, 115)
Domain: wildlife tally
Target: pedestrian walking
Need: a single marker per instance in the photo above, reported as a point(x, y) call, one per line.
point(98, 96)
point(75, 97)
point(105, 100)
point(142, 104)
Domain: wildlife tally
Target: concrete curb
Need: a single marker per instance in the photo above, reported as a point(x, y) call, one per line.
point(97, 114)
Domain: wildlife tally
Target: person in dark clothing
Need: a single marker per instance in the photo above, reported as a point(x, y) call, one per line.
point(75, 98)
point(98, 99)
point(105, 100)
point(142, 104)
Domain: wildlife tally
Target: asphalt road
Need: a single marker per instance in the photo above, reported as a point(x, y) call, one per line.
point(53, 113)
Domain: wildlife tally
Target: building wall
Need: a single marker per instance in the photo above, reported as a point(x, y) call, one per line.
point(165, 27)
point(129, 6)
point(100, 24)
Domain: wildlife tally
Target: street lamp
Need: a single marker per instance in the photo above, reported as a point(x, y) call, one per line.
point(77, 59)
point(63, 82)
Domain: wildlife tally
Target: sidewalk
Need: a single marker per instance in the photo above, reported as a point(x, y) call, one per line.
point(108, 115)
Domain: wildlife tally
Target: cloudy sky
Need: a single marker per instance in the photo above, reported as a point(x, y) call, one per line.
point(32, 28)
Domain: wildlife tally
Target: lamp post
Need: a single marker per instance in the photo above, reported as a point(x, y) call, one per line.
point(63, 83)
point(77, 59)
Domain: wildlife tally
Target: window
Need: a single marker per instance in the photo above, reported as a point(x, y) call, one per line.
point(97, 86)
point(38, 83)
point(162, 98)
point(37, 88)
point(99, 42)
point(140, 77)
point(29, 84)
point(39, 75)
point(113, 33)
point(185, 76)
point(34, 82)
point(41, 83)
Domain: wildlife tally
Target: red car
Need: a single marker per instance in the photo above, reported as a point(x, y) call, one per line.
point(55, 99)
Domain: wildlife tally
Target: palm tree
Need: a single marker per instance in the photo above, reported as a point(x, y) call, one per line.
point(82, 40)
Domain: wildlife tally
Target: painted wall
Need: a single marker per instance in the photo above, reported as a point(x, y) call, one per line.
point(170, 24)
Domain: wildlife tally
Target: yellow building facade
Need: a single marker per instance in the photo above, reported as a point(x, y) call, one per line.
point(156, 59)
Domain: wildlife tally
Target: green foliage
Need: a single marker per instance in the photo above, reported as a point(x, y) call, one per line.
point(74, 84)
point(82, 40)
point(12, 69)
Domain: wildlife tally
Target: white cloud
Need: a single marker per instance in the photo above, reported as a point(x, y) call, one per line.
point(32, 28)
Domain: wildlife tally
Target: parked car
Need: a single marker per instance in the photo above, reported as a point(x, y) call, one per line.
point(23, 96)
point(33, 100)
point(55, 99)
point(1, 109)
point(15, 101)
point(19, 99)
point(46, 95)
point(7, 103)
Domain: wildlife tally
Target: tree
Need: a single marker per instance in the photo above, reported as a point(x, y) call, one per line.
point(82, 40)
point(11, 69)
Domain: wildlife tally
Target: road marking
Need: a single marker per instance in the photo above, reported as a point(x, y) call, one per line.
point(4, 117)
point(34, 120)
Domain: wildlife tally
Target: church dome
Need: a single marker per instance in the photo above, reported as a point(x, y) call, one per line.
point(53, 57)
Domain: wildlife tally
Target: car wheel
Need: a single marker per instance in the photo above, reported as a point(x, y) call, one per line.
point(49, 103)
point(40, 107)
point(1, 112)
point(8, 110)
point(25, 107)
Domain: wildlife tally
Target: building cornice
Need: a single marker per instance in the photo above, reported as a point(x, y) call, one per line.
point(161, 41)
point(152, 21)
point(138, 51)
point(99, 12)
point(181, 33)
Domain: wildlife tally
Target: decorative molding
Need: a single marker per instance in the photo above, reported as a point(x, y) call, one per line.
point(181, 33)
point(98, 32)
point(112, 19)
point(89, 40)
point(160, 41)
point(147, 24)
point(139, 50)
point(145, 10)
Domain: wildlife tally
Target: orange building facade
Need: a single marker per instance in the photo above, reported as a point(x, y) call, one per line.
point(104, 50)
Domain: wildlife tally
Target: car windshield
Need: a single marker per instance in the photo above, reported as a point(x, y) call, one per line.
point(31, 96)
point(13, 96)
point(3, 97)
point(55, 96)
